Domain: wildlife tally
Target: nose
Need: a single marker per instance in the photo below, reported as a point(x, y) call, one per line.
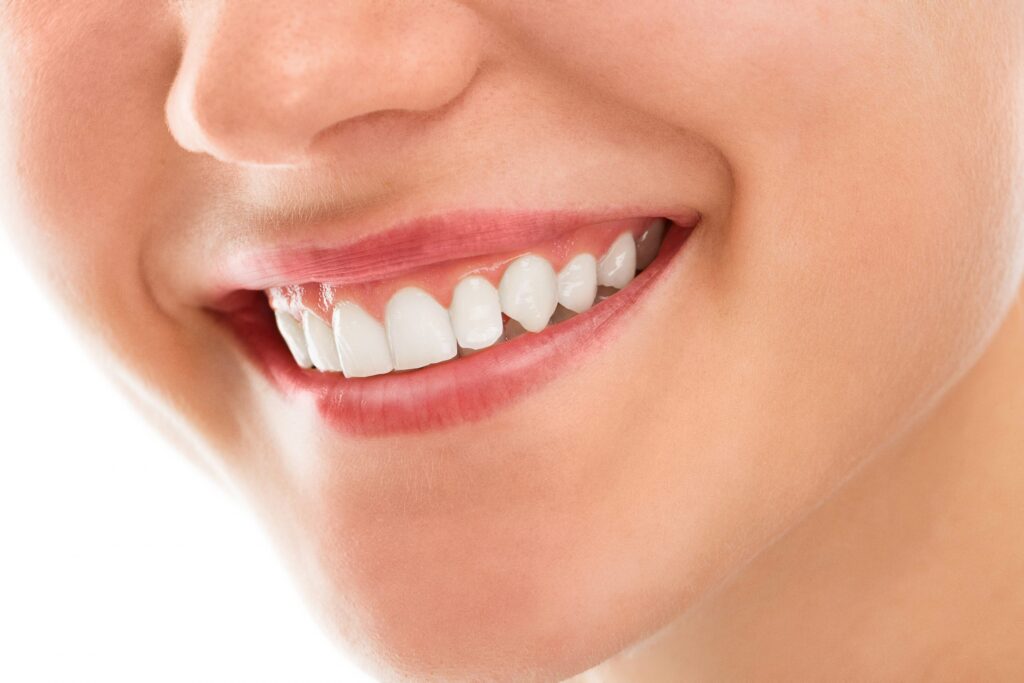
point(261, 80)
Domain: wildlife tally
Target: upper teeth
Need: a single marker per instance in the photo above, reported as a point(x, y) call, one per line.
point(362, 342)
point(618, 265)
point(320, 339)
point(418, 331)
point(476, 313)
point(577, 283)
point(294, 337)
point(529, 292)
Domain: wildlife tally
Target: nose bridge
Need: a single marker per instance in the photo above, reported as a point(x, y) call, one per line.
point(259, 79)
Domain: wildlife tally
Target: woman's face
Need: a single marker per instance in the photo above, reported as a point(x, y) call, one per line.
point(535, 507)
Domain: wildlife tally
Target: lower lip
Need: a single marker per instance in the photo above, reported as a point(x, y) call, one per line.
point(461, 390)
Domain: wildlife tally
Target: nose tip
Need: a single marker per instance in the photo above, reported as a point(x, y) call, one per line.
point(259, 81)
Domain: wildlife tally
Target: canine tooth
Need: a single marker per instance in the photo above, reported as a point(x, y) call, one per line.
point(320, 340)
point(476, 313)
point(418, 329)
point(291, 331)
point(577, 283)
point(649, 243)
point(362, 345)
point(529, 292)
point(618, 265)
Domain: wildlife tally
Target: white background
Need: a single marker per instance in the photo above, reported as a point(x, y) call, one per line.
point(119, 561)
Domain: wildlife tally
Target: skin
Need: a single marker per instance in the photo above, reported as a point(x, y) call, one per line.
point(815, 462)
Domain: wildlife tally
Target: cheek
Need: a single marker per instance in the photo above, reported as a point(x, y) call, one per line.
point(869, 247)
point(97, 177)
point(868, 253)
point(89, 143)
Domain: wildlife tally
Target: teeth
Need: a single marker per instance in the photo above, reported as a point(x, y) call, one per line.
point(649, 243)
point(320, 341)
point(291, 330)
point(361, 342)
point(418, 330)
point(529, 292)
point(577, 283)
point(476, 313)
point(618, 265)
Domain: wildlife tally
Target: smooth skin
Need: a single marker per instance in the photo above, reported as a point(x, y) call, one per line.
point(802, 457)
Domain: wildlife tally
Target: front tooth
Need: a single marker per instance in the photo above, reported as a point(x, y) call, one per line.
point(362, 344)
point(529, 292)
point(476, 313)
point(291, 330)
point(649, 243)
point(418, 329)
point(577, 283)
point(320, 340)
point(618, 265)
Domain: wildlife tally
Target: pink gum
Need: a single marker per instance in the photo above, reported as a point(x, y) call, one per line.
point(440, 280)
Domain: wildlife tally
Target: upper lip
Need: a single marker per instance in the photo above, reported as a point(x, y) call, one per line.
point(411, 245)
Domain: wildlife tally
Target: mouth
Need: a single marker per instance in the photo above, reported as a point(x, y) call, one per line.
point(407, 332)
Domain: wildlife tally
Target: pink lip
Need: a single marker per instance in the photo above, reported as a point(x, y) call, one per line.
point(411, 246)
point(458, 391)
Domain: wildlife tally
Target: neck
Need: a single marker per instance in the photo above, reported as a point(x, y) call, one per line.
point(917, 563)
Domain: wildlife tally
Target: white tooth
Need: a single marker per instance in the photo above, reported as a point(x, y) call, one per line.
point(419, 330)
point(362, 344)
point(320, 340)
point(476, 313)
point(649, 243)
point(291, 330)
point(618, 265)
point(529, 292)
point(577, 283)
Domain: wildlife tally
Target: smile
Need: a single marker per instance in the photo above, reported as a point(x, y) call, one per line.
point(400, 334)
